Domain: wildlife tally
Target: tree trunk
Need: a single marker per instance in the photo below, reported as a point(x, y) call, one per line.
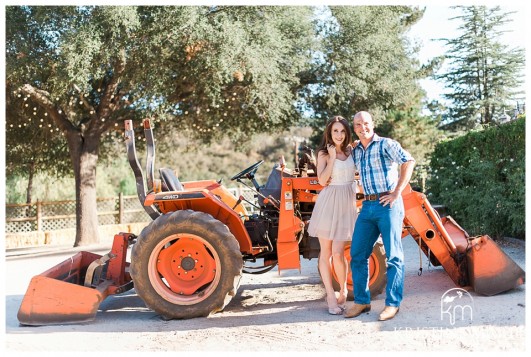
point(31, 174)
point(83, 145)
point(84, 154)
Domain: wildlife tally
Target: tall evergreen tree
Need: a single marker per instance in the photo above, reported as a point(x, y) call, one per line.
point(484, 74)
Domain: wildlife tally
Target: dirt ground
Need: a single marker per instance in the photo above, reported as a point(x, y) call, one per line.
point(285, 313)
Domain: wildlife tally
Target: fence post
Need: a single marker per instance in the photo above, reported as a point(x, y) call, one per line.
point(121, 208)
point(39, 216)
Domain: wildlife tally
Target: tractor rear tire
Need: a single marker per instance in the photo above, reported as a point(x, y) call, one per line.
point(186, 264)
point(377, 271)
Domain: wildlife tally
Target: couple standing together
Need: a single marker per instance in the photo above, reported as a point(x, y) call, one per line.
point(335, 220)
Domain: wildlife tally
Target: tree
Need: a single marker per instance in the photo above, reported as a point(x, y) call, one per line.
point(366, 60)
point(209, 70)
point(484, 75)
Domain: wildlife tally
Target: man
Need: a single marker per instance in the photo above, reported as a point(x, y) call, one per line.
point(382, 213)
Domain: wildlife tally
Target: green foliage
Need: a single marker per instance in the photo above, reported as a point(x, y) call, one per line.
point(211, 72)
point(366, 62)
point(484, 75)
point(480, 177)
point(192, 159)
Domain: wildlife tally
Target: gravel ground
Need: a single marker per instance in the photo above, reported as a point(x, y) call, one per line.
point(281, 312)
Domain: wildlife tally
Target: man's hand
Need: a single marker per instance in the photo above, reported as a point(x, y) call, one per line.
point(389, 199)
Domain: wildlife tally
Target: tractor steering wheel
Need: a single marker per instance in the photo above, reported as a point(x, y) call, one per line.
point(248, 172)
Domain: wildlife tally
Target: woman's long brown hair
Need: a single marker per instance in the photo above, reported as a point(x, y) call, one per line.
point(327, 135)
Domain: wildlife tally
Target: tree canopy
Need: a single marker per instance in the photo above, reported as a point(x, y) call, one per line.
point(208, 71)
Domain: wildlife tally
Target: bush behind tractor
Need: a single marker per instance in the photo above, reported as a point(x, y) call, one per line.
point(188, 262)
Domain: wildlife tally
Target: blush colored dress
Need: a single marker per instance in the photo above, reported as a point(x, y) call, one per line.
point(335, 212)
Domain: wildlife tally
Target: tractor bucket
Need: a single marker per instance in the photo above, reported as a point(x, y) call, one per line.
point(490, 270)
point(72, 291)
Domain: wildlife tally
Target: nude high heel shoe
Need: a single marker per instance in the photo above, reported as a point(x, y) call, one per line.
point(342, 299)
point(333, 308)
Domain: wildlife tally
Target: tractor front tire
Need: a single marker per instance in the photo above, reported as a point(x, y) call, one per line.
point(186, 264)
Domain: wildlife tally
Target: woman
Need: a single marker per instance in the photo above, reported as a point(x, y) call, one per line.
point(334, 214)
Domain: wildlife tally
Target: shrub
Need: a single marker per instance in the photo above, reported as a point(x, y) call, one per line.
point(480, 178)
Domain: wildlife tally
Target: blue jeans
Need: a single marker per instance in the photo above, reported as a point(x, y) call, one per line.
point(375, 220)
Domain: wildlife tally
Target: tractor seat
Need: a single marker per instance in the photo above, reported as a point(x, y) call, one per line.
point(170, 182)
point(272, 186)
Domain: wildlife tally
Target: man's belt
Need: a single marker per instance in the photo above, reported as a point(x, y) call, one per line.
point(376, 196)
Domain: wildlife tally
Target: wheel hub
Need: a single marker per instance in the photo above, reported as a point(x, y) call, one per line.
point(188, 263)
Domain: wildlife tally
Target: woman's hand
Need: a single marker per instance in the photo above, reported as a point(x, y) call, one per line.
point(331, 151)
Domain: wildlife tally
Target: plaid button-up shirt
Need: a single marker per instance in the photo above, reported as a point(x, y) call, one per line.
point(378, 164)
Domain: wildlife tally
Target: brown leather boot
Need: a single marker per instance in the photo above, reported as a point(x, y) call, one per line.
point(357, 309)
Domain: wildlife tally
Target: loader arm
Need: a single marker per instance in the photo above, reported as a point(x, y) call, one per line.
point(469, 261)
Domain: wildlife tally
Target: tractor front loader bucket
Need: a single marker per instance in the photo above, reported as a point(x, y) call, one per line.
point(72, 291)
point(490, 270)
point(469, 261)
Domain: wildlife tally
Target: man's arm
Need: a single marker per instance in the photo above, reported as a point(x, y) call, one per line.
point(406, 170)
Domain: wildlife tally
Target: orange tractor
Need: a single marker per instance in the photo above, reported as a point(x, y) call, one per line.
point(188, 262)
